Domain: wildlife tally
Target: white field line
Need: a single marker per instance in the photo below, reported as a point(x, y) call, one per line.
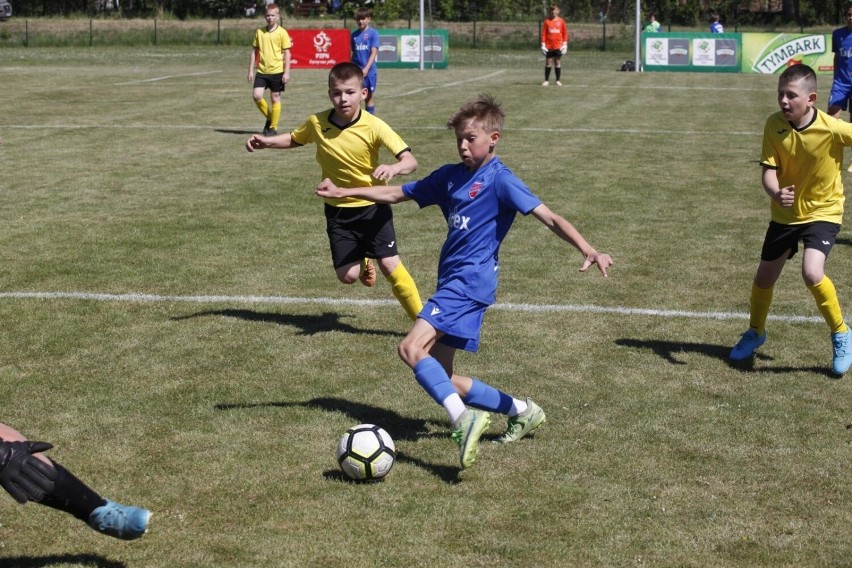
point(532, 308)
point(165, 77)
point(638, 131)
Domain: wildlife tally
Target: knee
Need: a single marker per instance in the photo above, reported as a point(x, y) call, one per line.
point(812, 277)
point(409, 352)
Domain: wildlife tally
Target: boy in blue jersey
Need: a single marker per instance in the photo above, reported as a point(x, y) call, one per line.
point(841, 88)
point(365, 50)
point(479, 198)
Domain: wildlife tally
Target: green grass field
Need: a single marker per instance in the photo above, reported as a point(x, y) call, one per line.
point(171, 322)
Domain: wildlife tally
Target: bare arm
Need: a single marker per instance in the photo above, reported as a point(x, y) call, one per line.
point(371, 60)
point(279, 142)
point(251, 64)
point(389, 194)
point(566, 231)
point(783, 196)
point(406, 164)
point(286, 55)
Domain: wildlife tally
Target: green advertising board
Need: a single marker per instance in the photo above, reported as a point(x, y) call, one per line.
point(682, 51)
point(765, 53)
point(401, 48)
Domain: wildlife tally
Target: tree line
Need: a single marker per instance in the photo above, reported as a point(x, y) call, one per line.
point(803, 13)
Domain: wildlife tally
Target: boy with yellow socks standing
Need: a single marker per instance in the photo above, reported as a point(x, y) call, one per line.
point(801, 160)
point(270, 57)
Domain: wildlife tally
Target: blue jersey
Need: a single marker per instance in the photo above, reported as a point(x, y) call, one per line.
point(363, 41)
point(841, 45)
point(479, 207)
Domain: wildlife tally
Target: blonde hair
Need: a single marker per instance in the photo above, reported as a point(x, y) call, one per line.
point(483, 111)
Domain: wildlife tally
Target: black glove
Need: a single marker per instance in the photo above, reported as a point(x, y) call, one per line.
point(25, 477)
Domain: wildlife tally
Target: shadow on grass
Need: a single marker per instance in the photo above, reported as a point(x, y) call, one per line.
point(843, 241)
point(399, 427)
point(668, 350)
point(309, 325)
point(57, 559)
point(232, 131)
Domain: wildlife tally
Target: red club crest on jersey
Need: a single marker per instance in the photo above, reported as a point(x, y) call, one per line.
point(475, 189)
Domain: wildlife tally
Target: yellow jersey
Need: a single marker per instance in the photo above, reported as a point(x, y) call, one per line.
point(349, 155)
point(809, 158)
point(270, 46)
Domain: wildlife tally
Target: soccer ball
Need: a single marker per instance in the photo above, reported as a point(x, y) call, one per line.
point(365, 452)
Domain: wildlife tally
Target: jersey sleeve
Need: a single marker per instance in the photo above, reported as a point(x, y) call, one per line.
point(427, 191)
point(390, 139)
point(514, 193)
point(286, 42)
point(304, 134)
point(564, 31)
point(768, 154)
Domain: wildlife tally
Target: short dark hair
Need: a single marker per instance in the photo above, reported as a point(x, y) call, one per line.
point(801, 71)
point(345, 71)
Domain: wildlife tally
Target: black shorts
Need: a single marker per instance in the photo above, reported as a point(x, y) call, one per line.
point(359, 232)
point(819, 235)
point(554, 54)
point(275, 83)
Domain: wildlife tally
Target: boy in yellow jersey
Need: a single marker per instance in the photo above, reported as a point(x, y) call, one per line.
point(270, 56)
point(347, 149)
point(801, 160)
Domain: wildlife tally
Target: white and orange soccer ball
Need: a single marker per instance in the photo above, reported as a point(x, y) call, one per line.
point(366, 452)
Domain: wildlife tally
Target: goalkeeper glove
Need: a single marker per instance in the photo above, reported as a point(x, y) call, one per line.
point(25, 477)
point(543, 49)
point(564, 48)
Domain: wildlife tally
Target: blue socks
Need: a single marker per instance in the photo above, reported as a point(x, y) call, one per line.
point(486, 397)
point(433, 378)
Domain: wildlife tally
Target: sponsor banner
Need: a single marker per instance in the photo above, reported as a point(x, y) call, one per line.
point(765, 53)
point(401, 48)
point(769, 53)
point(325, 48)
point(691, 52)
point(318, 49)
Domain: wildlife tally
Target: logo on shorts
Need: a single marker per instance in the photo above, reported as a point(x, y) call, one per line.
point(475, 189)
point(435, 310)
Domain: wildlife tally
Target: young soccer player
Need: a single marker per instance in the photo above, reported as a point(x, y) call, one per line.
point(716, 26)
point(348, 143)
point(801, 159)
point(554, 44)
point(270, 55)
point(28, 475)
point(479, 198)
point(365, 49)
point(841, 87)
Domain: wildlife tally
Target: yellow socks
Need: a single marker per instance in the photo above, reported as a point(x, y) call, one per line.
point(761, 299)
point(405, 290)
point(275, 116)
point(826, 298)
point(264, 108)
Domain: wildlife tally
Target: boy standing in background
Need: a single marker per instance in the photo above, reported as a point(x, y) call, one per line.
point(270, 56)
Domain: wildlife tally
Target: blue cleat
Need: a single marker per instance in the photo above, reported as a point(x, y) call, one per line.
point(121, 521)
point(842, 354)
point(746, 346)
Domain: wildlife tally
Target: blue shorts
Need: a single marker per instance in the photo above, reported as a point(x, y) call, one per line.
point(370, 82)
point(459, 318)
point(840, 95)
